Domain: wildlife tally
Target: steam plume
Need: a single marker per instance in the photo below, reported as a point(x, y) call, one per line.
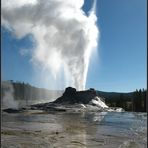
point(7, 96)
point(64, 36)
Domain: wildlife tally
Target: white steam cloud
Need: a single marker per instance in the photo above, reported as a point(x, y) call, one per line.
point(8, 96)
point(64, 36)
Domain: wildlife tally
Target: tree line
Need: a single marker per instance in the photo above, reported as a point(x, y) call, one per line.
point(134, 101)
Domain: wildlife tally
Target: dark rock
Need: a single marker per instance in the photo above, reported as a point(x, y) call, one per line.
point(11, 110)
point(71, 96)
point(69, 91)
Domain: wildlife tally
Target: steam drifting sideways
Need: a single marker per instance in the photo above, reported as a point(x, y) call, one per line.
point(64, 36)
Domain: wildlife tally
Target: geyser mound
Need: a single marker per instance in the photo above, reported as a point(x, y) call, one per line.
point(71, 96)
point(73, 100)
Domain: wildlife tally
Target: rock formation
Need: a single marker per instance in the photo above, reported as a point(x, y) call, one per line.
point(71, 96)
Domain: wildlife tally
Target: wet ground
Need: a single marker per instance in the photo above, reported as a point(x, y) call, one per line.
point(38, 129)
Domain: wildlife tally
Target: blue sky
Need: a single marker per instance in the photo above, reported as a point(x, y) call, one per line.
point(121, 63)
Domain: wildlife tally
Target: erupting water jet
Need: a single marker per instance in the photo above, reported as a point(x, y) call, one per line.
point(64, 36)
